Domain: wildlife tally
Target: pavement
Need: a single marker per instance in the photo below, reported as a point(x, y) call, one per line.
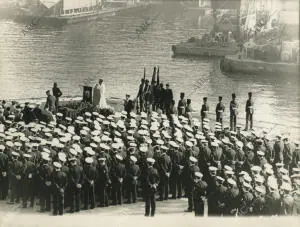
point(169, 213)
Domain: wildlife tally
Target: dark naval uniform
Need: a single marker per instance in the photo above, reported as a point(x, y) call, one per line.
point(233, 114)
point(89, 175)
point(249, 113)
point(176, 175)
point(16, 169)
point(164, 167)
point(246, 206)
point(28, 177)
point(45, 186)
point(133, 172)
point(189, 180)
point(3, 176)
point(152, 181)
point(199, 192)
point(104, 182)
point(59, 186)
point(220, 108)
point(118, 173)
point(272, 204)
point(75, 185)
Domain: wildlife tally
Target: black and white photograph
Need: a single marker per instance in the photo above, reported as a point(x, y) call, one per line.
point(149, 113)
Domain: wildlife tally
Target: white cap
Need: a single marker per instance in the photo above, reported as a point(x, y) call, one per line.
point(198, 174)
point(89, 160)
point(133, 158)
point(57, 165)
point(193, 159)
point(119, 157)
point(150, 160)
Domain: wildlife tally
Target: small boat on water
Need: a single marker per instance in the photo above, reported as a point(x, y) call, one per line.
point(205, 47)
point(62, 12)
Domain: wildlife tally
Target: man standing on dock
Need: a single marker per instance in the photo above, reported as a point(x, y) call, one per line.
point(220, 108)
point(50, 103)
point(249, 111)
point(233, 112)
point(140, 95)
point(204, 110)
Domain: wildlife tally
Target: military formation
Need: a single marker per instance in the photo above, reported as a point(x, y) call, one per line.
point(92, 160)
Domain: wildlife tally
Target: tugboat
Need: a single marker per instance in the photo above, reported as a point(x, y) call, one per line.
point(206, 46)
point(221, 40)
point(272, 43)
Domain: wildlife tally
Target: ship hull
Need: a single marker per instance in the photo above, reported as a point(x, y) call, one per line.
point(40, 21)
point(232, 64)
point(194, 50)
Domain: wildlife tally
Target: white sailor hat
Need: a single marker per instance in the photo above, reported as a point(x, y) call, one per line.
point(246, 185)
point(189, 134)
point(132, 144)
point(102, 159)
point(93, 145)
point(15, 154)
point(220, 178)
point(179, 139)
point(256, 168)
point(73, 151)
point(199, 137)
point(206, 127)
point(150, 160)
point(17, 144)
point(2, 147)
point(46, 150)
point(286, 187)
point(198, 175)
point(268, 166)
point(57, 165)
point(86, 128)
point(143, 149)
point(143, 115)
point(227, 168)
point(250, 146)
point(279, 165)
point(59, 114)
point(114, 146)
point(90, 151)
point(119, 157)
point(197, 124)
point(166, 124)
point(286, 178)
point(272, 184)
point(214, 144)
point(243, 173)
point(193, 159)
point(76, 138)
point(231, 181)
point(296, 170)
point(163, 147)
point(260, 189)
point(70, 119)
point(229, 172)
point(259, 179)
point(189, 144)
point(27, 155)
point(269, 171)
point(188, 128)
point(205, 120)
point(283, 171)
point(83, 132)
point(45, 157)
point(89, 160)
point(9, 144)
point(130, 138)
point(212, 168)
point(239, 144)
point(133, 158)
point(88, 114)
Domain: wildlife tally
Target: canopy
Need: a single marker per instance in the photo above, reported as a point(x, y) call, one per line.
point(49, 3)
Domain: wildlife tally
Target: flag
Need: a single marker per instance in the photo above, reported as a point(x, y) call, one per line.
point(144, 73)
point(158, 75)
point(153, 75)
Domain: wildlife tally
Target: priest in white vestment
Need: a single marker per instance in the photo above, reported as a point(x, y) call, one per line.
point(99, 98)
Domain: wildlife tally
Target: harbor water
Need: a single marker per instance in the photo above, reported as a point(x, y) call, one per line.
point(114, 50)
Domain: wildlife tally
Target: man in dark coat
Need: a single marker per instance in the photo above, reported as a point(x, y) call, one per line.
point(249, 111)
point(181, 104)
point(3, 173)
point(133, 173)
point(164, 167)
point(140, 95)
point(57, 94)
point(104, 181)
point(204, 110)
point(233, 112)
point(168, 98)
point(89, 176)
point(199, 194)
point(220, 108)
point(152, 181)
point(118, 173)
point(75, 184)
point(50, 102)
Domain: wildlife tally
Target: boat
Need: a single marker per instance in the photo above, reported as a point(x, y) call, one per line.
point(62, 12)
point(205, 47)
point(273, 48)
point(236, 64)
point(221, 39)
